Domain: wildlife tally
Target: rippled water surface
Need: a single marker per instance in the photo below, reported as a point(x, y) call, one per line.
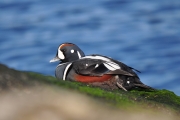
point(142, 34)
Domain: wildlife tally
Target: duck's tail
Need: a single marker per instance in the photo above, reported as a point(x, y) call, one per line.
point(144, 86)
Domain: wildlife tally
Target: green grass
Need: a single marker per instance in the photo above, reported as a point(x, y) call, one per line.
point(157, 99)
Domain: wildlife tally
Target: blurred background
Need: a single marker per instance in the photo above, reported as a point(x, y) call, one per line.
point(142, 34)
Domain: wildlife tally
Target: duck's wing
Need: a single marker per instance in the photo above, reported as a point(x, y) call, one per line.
point(97, 67)
point(123, 66)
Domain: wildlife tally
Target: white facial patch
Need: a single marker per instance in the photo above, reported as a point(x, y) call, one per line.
point(72, 51)
point(78, 54)
point(86, 64)
point(60, 54)
point(128, 82)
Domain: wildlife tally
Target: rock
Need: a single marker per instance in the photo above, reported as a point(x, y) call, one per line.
point(30, 96)
point(11, 79)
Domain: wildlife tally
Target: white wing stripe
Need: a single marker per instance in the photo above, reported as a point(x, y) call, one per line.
point(97, 57)
point(109, 64)
point(114, 65)
point(65, 71)
point(109, 67)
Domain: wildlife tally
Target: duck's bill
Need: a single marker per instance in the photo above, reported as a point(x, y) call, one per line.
point(54, 59)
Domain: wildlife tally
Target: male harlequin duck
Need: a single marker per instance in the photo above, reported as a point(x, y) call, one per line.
point(96, 70)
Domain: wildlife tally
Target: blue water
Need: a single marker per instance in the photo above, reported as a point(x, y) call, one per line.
point(142, 34)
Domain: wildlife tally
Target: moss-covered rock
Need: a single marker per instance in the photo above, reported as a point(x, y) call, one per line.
point(158, 100)
point(153, 98)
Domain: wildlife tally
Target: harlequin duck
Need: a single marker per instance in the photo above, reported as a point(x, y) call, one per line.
point(68, 52)
point(96, 70)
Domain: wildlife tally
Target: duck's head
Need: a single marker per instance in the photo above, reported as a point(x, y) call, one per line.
point(68, 52)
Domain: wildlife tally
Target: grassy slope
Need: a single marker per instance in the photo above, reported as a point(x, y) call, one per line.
point(158, 100)
point(162, 100)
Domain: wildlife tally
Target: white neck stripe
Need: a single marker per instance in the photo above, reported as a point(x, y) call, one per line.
point(65, 71)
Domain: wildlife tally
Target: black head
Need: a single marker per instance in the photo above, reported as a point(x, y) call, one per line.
point(68, 52)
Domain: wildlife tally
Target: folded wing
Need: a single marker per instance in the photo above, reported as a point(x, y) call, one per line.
point(94, 67)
